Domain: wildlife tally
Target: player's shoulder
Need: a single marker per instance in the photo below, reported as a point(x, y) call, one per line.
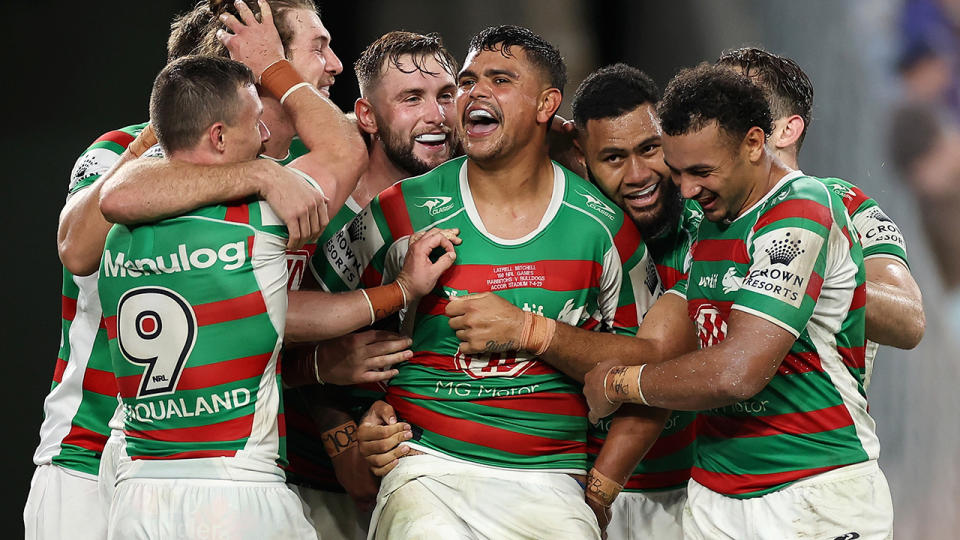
point(440, 183)
point(586, 197)
point(101, 154)
point(854, 198)
point(801, 197)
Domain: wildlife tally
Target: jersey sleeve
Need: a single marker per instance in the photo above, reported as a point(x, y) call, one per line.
point(100, 156)
point(788, 257)
point(362, 252)
point(629, 284)
point(879, 235)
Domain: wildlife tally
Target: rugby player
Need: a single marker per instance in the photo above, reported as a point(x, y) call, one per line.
point(522, 215)
point(83, 394)
point(895, 313)
point(171, 322)
point(406, 108)
point(785, 446)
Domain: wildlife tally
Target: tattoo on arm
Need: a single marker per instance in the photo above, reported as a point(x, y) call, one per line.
point(620, 386)
point(340, 439)
point(494, 347)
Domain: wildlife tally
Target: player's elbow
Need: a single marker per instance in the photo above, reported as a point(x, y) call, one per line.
point(115, 205)
point(77, 260)
point(737, 384)
point(912, 332)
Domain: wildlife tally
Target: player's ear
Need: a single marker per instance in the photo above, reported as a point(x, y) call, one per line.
point(366, 121)
point(547, 104)
point(753, 143)
point(215, 137)
point(789, 132)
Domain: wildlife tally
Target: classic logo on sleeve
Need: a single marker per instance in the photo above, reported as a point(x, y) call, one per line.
point(596, 204)
point(436, 204)
point(783, 263)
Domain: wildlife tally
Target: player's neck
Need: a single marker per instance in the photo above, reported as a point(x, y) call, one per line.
point(280, 126)
point(788, 156)
point(768, 173)
point(381, 173)
point(512, 197)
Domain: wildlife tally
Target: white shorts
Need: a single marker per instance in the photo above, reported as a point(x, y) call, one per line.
point(654, 514)
point(849, 502)
point(152, 508)
point(334, 516)
point(63, 504)
point(107, 478)
point(428, 497)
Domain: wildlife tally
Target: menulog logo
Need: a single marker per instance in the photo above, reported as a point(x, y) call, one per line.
point(232, 255)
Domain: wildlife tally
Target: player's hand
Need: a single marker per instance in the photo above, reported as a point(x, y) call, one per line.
point(256, 44)
point(302, 207)
point(356, 478)
point(562, 142)
point(379, 436)
point(603, 515)
point(485, 323)
point(595, 392)
point(419, 275)
point(362, 357)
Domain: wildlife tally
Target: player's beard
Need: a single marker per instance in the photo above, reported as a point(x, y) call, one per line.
point(668, 214)
point(399, 150)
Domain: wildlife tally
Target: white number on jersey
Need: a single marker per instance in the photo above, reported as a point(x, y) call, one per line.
point(158, 328)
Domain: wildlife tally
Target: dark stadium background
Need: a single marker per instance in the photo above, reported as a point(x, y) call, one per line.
point(75, 70)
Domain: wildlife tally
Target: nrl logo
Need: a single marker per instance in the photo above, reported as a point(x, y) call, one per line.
point(597, 204)
point(437, 204)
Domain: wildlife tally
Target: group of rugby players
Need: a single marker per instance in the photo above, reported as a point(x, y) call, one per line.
point(473, 346)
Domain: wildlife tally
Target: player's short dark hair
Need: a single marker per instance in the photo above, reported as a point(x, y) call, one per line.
point(390, 47)
point(788, 88)
point(211, 46)
point(707, 93)
point(192, 93)
point(612, 91)
point(541, 52)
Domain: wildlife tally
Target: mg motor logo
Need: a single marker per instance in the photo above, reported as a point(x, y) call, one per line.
point(490, 365)
point(711, 326)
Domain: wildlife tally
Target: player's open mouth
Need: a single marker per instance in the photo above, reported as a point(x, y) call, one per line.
point(432, 141)
point(480, 122)
point(707, 202)
point(643, 197)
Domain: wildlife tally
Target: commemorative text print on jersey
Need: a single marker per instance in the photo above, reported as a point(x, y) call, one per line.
point(233, 254)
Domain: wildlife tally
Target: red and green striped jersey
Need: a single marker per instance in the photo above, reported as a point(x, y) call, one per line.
point(667, 464)
point(83, 395)
point(792, 259)
point(879, 236)
point(178, 295)
point(584, 265)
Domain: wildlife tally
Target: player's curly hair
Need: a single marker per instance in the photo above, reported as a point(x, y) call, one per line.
point(787, 87)
point(388, 49)
point(612, 91)
point(540, 51)
point(188, 30)
point(707, 93)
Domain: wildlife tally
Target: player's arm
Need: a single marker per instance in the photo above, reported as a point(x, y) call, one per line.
point(147, 190)
point(339, 439)
point(894, 308)
point(82, 229)
point(318, 315)
point(337, 154)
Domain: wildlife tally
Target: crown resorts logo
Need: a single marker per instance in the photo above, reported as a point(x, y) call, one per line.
point(784, 251)
point(878, 215)
point(436, 204)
